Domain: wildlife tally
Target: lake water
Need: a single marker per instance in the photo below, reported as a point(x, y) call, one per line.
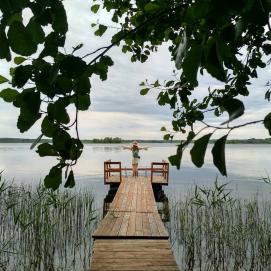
point(246, 165)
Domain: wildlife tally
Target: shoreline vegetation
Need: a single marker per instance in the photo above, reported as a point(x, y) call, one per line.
point(117, 140)
point(213, 231)
point(42, 229)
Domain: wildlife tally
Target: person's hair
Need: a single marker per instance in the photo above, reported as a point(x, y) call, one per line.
point(134, 147)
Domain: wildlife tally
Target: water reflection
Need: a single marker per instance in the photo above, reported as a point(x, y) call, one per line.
point(107, 149)
point(245, 164)
point(109, 198)
point(162, 202)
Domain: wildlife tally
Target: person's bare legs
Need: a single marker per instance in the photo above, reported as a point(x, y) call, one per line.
point(134, 169)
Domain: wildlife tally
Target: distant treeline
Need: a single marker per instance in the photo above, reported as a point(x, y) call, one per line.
point(21, 140)
point(86, 141)
point(114, 140)
point(249, 141)
point(110, 140)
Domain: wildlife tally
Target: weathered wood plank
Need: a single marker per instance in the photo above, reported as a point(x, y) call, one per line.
point(132, 214)
point(138, 254)
point(133, 205)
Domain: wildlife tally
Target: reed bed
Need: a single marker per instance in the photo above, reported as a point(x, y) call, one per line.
point(45, 230)
point(212, 231)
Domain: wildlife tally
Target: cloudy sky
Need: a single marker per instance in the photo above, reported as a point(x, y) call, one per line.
point(117, 107)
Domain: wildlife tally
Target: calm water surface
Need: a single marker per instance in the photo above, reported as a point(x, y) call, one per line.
point(246, 165)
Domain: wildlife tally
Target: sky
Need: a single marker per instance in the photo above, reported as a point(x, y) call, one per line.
point(118, 109)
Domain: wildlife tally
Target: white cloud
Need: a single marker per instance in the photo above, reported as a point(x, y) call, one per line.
point(120, 124)
point(117, 107)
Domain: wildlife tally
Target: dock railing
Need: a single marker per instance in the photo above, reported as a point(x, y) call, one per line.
point(159, 172)
point(112, 167)
point(160, 168)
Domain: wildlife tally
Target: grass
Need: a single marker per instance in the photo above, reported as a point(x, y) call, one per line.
point(45, 230)
point(212, 231)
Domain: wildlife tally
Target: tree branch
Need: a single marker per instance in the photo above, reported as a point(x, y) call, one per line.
point(107, 48)
point(97, 50)
point(233, 127)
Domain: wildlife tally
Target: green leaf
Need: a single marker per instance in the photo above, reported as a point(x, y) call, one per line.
point(77, 47)
point(156, 84)
point(20, 40)
point(11, 6)
point(191, 64)
point(83, 86)
point(199, 149)
point(24, 124)
point(223, 50)
point(151, 7)
point(213, 60)
point(9, 95)
point(46, 149)
point(163, 129)
point(163, 98)
point(101, 67)
point(4, 46)
point(60, 23)
point(218, 152)
point(21, 75)
point(144, 91)
point(62, 140)
point(95, 8)
point(35, 31)
point(54, 178)
point(100, 31)
point(3, 79)
point(267, 123)
point(72, 66)
point(57, 111)
point(52, 42)
point(234, 107)
point(70, 183)
point(82, 102)
point(190, 136)
point(76, 149)
point(106, 60)
point(19, 60)
point(15, 17)
point(47, 127)
point(166, 137)
point(267, 48)
point(175, 160)
point(29, 103)
point(63, 85)
point(34, 144)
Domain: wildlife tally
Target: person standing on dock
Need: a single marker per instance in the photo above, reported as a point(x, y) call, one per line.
point(135, 156)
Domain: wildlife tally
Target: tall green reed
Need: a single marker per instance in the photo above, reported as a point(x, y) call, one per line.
point(45, 230)
point(213, 231)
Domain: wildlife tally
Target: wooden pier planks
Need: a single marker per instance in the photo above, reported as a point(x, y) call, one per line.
point(115, 179)
point(132, 235)
point(133, 213)
point(140, 254)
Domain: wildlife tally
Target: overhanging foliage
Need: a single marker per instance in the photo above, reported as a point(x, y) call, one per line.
point(229, 40)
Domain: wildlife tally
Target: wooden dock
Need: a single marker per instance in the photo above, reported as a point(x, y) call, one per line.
point(132, 235)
